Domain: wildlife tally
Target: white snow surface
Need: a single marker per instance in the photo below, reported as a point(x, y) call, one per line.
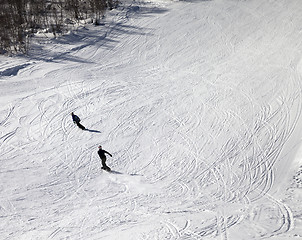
point(199, 103)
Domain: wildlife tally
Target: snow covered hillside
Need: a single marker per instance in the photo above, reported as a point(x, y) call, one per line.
point(199, 103)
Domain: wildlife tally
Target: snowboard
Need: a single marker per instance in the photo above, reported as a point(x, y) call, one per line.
point(106, 169)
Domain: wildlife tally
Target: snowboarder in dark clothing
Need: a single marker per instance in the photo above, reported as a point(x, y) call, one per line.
point(77, 121)
point(102, 155)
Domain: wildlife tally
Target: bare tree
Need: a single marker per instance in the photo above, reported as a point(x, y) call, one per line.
point(21, 18)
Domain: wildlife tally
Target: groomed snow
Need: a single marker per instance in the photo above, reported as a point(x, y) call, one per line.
point(199, 103)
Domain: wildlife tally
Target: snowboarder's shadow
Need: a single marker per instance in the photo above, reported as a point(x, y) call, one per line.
point(94, 131)
point(120, 173)
point(115, 172)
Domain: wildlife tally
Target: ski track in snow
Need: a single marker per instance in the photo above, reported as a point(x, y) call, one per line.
point(196, 117)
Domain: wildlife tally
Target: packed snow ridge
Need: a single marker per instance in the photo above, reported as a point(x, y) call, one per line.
point(199, 104)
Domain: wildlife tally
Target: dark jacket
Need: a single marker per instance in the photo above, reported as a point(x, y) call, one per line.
point(102, 152)
point(75, 118)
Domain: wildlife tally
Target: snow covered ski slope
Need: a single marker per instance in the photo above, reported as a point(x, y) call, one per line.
point(199, 103)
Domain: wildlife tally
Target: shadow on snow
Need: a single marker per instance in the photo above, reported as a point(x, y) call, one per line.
point(93, 131)
point(104, 36)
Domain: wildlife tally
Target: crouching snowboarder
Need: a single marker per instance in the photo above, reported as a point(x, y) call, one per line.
point(102, 155)
point(77, 121)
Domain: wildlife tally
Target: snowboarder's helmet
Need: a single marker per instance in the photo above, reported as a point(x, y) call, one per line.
point(100, 146)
